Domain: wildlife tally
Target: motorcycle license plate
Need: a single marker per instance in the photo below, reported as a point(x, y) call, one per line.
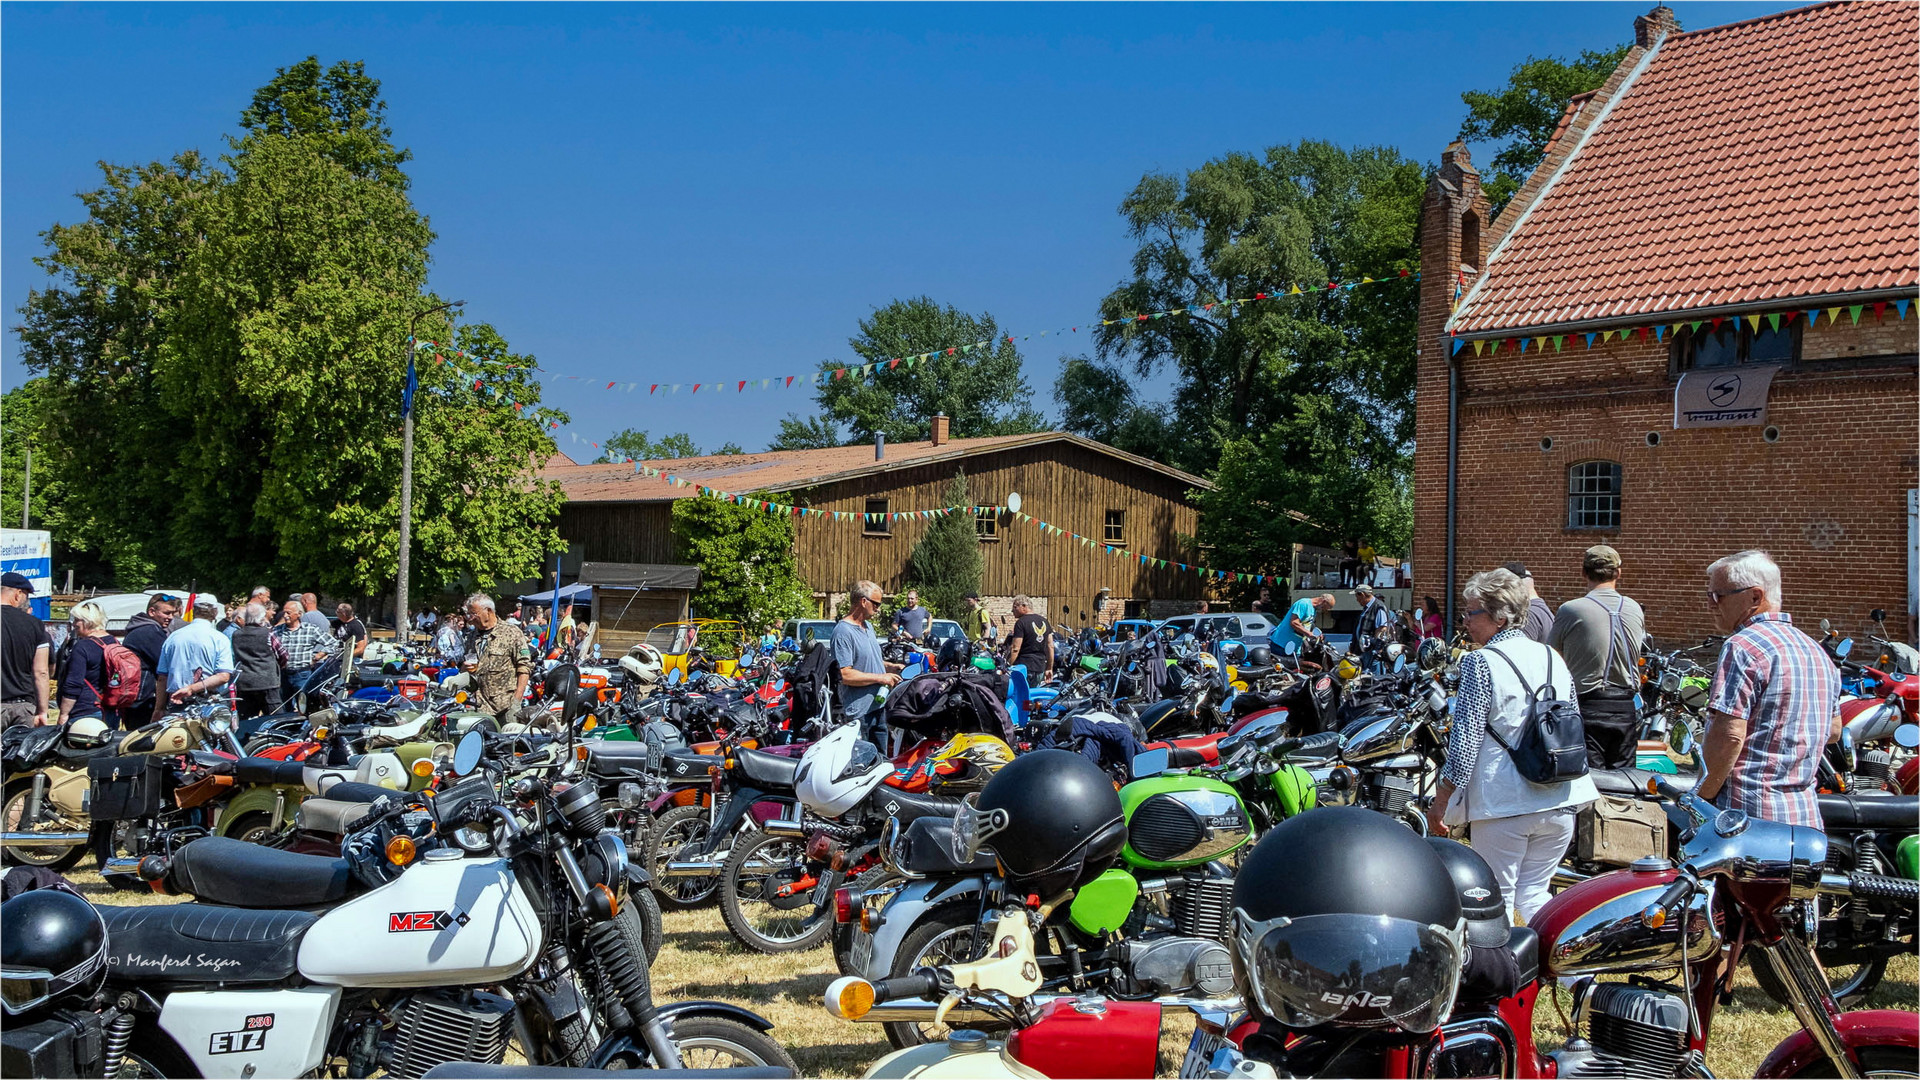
point(1200, 1052)
point(823, 890)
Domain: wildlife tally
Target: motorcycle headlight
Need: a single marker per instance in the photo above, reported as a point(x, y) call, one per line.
point(631, 797)
point(219, 725)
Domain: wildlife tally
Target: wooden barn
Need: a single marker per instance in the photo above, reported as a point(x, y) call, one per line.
point(617, 514)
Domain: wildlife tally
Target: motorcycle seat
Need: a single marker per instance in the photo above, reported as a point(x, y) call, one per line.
point(687, 764)
point(356, 792)
point(1189, 752)
point(469, 1070)
point(260, 770)
point(1633, 782)
point(203, 944)
point(1500, 971)
point(1869, 811)
point(767, 770)
point(222, 870)
point(616, 758)
point(910, 806)
point(332, 816)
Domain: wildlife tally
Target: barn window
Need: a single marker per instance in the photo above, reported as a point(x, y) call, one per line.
point(874, 520)
point(1116, 527)
point(1593, 495)
point(986, 522)
point(1735, 341)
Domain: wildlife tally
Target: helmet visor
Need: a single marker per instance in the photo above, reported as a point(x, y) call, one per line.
point(1352, 970)
point(24, 988)
point(973, 828)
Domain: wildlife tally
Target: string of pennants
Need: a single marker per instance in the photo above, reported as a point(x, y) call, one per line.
point(808, 512)
point(1659, 331)
point(443, 353)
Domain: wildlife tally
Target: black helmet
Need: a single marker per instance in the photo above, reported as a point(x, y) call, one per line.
point(51, 942)
point(1344, 917)
point(1481, 901)
point(1260, 656)
point(1053, 819)
point(955, 653)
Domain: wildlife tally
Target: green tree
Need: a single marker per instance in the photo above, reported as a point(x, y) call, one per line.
point(1098, 401)
point(632, 444)
point(1295, 400)
point(974, 379)
point(748, 570)
point(810, 433)
point(729, 449)
point(945, 564)
point(225, 355)
point(20, 431)
point(1526, 112)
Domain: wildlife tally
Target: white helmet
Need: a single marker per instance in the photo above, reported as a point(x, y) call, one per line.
point(838, 771)
point(643, 663)
point(87, 732)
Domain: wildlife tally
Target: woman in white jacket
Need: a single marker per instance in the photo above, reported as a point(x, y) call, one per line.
point(1521, 828)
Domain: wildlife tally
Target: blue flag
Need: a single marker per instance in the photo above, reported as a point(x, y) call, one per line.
point(406, 392)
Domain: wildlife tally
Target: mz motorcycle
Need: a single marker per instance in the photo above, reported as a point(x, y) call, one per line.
point(496, 913)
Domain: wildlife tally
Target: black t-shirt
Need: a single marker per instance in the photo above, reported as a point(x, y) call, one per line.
point(1032, 631)
point(348, 632)
point(23, 634)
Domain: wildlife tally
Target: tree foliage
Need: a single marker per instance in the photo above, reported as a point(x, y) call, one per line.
point(1300, 404)
point(1099, 401)
point(223, 348)
point(748, 570)
point(1526, 111)
point(807, 433)
point(979, 388)
point(945, 564)
point(632, 444)
point(21, 430)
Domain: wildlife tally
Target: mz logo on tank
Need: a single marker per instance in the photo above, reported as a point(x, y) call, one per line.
point(401, 922)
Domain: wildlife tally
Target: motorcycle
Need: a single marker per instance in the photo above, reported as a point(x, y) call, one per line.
point(497, 912)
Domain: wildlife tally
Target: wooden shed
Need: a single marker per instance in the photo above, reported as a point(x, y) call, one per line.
point(631, 598)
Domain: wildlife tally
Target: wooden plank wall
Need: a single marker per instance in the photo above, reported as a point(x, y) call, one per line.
point(620, 532)
point(1060, 483)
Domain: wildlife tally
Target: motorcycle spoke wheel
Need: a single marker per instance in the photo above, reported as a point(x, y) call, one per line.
point(674, 831)
point(14, 816)
point(946, 937)
point(758, 916)
point(708, 1042)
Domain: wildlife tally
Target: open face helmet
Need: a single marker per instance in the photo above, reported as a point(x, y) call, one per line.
point(643, 664)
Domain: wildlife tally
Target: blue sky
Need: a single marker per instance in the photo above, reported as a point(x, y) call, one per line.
point(697, 192)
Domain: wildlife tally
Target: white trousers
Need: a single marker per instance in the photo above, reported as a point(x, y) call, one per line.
point(1523, 852)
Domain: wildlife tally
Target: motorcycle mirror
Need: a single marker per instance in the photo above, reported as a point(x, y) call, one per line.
point(1826, 625)
point(1399, 664)
point(1878, 614)
point(466, 755)
point(1907, 735)
point(1682, 741)
point(1841, 650)
point(1149, 763)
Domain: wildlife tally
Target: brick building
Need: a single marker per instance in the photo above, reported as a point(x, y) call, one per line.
point(1735, 203)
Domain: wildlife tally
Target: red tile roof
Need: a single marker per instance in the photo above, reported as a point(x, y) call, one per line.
point(1762, 161)
point(786, 470)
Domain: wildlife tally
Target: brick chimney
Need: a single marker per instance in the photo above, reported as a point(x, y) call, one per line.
point(1655, 25)
point(939, 435)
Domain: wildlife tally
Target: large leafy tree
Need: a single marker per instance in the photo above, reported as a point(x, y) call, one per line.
point(1303, 403)
point(223, 346)
point(1099, 401)
point(1523, 115)
point(632, 444)
point(945, 565)
point(972, 375)
point(807, 433)
point(748, 570)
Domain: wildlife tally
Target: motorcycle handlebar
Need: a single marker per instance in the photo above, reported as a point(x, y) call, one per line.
point(1676, 892)
point(1882, 887)
point(921, 984)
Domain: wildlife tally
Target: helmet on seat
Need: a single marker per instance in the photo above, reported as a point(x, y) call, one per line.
point(1478, 891)
point(966, 763)
point(1432, 654)
point(643, 663)
point(1344, 917)
point(1051, 817)
point(838, 771)
point(1260, 656)
point(955, 653)
point(51, 942)
point(87, 733)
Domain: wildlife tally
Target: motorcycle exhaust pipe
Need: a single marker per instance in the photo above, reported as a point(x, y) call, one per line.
point(921, 1011)
point(122, 864)
point(42, 839)
point(692, 869)
point(788, 827)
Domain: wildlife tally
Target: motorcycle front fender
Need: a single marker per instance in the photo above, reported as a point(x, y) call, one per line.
point(1868, 1027)
point(720, 1010)
point(256, 800)
point(905, 910)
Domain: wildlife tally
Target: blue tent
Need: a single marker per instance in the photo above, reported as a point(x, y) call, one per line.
point(569, 594)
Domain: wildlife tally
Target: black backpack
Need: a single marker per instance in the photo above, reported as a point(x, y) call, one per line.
point(1553, 739)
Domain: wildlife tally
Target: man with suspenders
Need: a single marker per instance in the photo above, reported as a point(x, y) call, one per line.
point(1599, 634)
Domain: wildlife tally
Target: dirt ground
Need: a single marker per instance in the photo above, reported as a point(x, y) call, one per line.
point(701, 960)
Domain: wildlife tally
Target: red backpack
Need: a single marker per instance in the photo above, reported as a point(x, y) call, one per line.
point(120, 675)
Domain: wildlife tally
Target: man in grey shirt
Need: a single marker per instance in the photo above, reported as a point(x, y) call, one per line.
point(913, 618)
point(1539, 615)
point(1599, 635)
point(856, 652)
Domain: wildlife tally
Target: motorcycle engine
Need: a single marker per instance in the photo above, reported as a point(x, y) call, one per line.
point(1177, 965)
point(439, 1026)
point(1629, 1031)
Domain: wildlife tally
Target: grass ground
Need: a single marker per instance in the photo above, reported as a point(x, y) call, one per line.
point(701, 960)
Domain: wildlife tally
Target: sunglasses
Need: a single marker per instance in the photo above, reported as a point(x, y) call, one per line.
point(1714, 597)
point(1475, 611)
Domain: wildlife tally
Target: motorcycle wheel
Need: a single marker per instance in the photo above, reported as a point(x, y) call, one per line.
point(646, 910)
point(948, 935)
point(759, 919)
point(672, 831)
point(713, 1042)
point(12, 814)
point(1874, 1061)
point(1851, 983)
point(254, 828)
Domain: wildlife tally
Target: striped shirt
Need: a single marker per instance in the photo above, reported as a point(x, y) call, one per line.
point(1779, 681)
point(301, 642)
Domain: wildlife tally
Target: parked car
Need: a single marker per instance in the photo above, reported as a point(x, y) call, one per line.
point(1240, 625)
point(120, 607)
point(805, 630)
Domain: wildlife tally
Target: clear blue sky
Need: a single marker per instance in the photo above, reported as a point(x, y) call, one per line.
point(702, 192)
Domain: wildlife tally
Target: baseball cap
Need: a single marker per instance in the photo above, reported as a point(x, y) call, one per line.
point(1363, 587)
point(973, 596)
point(1601, 557)
point(11, 580)
point(1517, 569)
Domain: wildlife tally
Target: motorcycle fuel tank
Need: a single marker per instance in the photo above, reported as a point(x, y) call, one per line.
point(1090, 1037)
point(1181, 820)
point(442, 922)
point(1595, 926)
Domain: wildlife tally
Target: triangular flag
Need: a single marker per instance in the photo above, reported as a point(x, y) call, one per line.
point(1855, 312)
point(1880, 310)
point(1560, 343)
point(1833, 314)
point(1754, 322)
point(789, 380)
point(1901, 306)
point(1813, 315)
point(1660, 332)
point(1773, 320)
point(1589, 341)
point(1456, 345)
point(1477, 346)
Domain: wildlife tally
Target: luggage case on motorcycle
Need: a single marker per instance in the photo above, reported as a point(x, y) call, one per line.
point(1090, 1037)
point(128, 787)
point(67, 1043)
point(1615, 831)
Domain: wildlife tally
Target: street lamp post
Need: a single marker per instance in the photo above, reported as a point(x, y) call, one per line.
point(406, 478)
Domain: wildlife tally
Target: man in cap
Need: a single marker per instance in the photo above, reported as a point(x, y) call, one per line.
point(25, 655)
point(1372, 631)
point(1599, 634)
point(1539, 615)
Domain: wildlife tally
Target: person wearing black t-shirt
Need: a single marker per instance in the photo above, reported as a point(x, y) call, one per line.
point(26, 655)
point(351, 633)
point(1031, 643)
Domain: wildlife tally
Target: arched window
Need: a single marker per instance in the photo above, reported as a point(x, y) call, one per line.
point(1593, 495)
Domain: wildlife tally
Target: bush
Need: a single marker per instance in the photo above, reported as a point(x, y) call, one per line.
point(945, 565)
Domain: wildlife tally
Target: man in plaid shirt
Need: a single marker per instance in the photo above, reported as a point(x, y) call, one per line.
point(305, 644)
point(1775, 701)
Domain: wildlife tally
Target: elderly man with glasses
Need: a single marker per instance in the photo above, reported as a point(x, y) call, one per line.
point(863, 674)
point(1775, 701)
